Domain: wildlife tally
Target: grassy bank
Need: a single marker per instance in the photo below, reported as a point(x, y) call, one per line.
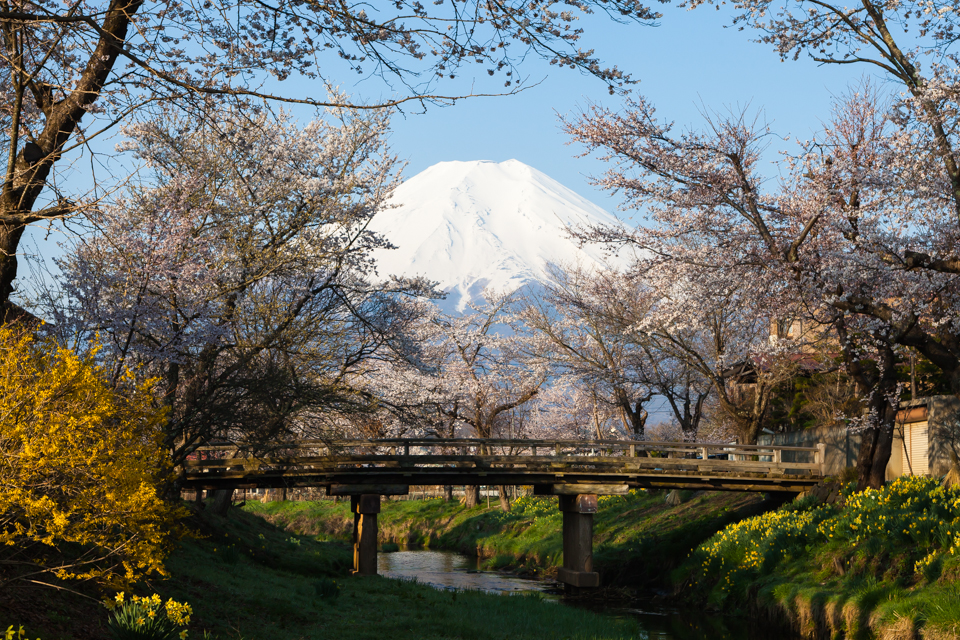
point(248, 579)
point(253, 580)
point(637, 538)
point(881, 564)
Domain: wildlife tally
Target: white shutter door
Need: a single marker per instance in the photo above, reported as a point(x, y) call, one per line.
point(917, 444)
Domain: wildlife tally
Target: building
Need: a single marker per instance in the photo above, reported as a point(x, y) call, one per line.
point(927, 432)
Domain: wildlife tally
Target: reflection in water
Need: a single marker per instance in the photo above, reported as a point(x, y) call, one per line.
point(694, 625)
point(450, 570)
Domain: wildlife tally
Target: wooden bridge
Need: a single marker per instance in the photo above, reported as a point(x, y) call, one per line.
point(576, 471)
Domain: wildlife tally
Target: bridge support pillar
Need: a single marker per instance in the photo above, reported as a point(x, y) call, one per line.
point(365, 508)
point(577, 570)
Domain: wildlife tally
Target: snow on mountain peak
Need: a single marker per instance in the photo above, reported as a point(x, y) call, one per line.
point(473, 225)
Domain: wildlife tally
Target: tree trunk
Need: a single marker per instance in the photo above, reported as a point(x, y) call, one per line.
point(20, 196)
point(751, 430)
point(471, 496)
point(9, 241)
point(876, 443)
point(273, 495)
point(448, 493)
point(222, 498)
point(634, 417)
point(690, 415)
point(504, 502)
point(758, 412)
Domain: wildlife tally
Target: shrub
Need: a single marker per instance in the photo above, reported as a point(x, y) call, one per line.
point(80, 462)
point(148, 619)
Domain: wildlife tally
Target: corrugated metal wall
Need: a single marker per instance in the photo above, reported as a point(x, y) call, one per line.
point(918, 448)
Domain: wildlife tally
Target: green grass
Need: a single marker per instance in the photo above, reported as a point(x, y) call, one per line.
point(885, 563)
point(250, 579)
point(628, 530)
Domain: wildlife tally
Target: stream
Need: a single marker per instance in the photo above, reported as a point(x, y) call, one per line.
point(451, 570)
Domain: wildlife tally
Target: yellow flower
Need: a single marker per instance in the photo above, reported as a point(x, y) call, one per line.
point(119, 597)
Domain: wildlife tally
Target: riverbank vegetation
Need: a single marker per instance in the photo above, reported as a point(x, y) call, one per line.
point(884, 563)
point(246, 578)
point(878, 563)
point(255, 580)
point(628, 530)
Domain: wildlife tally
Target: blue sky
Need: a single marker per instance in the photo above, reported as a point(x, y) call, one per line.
point(687, 63)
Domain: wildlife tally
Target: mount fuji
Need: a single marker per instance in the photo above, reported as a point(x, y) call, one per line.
point(479, 224)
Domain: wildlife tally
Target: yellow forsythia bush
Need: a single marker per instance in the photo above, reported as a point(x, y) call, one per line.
point(80, 465)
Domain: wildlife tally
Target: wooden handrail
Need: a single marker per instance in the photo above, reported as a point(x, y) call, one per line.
point(389, 462)
point(579, 444)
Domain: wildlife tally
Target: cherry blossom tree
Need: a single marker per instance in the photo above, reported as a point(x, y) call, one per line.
point(407, 387)
point(567, 408)
point(589, 318)
point(836, 241)
point(890, 180)
point(69, 72)
point(485, 369)
point(484, 366)
point(681, 385)
point(718, 328)
point(472, 376)
point(580, 316)
point(239, 274)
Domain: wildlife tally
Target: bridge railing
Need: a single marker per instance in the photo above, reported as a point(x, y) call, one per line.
point(514, 450)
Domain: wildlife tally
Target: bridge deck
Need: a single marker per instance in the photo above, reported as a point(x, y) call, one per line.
point(604, 466)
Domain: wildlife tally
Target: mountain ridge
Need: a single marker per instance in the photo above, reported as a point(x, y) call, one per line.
point(474, 224)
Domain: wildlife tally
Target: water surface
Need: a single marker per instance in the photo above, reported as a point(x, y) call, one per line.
point(657, 620)
point(451, 570)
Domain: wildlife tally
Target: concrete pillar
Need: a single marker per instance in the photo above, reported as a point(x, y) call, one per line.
point(365, 509)
point(577, 570)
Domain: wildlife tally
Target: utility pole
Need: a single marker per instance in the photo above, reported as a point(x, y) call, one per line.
point(913, 375)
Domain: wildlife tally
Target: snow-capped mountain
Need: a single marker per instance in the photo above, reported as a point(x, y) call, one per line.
point(472, 225)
